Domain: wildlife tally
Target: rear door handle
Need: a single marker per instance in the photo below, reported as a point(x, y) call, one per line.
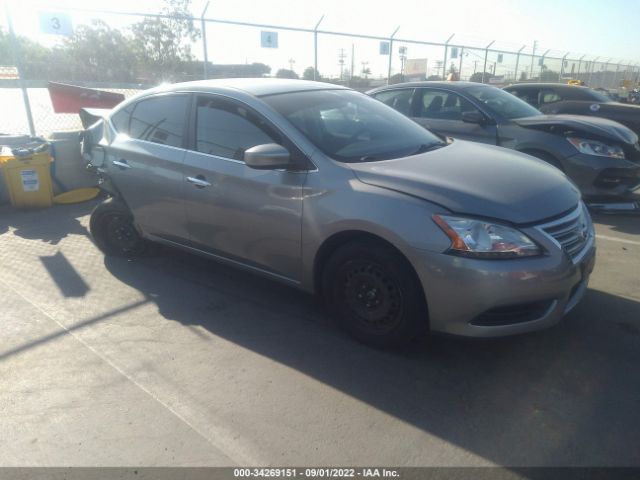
point(198, 181)
point(121, 163)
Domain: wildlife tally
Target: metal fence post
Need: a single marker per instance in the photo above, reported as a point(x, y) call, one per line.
point(533, 58)
point(391, 54)
point(564, 59)
point(605, 76)
point(542, 65)
point(515, 78)
point(593, 65)
point(444, 64)
point(205, 65)
point(579, 65)
point(315, 48)
point(486, 54)
point(17, 59)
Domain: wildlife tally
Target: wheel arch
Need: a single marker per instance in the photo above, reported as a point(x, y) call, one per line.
point(337, 240)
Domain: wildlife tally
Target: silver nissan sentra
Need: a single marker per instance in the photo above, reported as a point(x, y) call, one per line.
point(318, 186)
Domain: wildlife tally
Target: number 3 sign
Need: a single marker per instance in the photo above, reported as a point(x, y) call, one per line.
point(56, 23)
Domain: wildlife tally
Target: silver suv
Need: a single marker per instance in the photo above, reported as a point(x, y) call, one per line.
point(330, 191)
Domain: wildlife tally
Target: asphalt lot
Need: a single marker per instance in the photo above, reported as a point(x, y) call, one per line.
point(174, 360)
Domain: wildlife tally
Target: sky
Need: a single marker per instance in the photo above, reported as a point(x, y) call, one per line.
point(593, 28)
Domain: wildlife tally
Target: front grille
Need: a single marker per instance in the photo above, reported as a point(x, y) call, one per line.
point(614, 177)
point(572, 233)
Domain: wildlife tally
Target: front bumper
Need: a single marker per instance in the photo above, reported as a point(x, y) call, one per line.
point(603, 177)
point(488, 298)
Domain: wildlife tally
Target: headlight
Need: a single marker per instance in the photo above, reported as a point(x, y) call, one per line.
point(594, 147)
point(480, 239)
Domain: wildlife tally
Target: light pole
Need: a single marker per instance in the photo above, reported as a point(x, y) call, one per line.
point(391, 54)
point(205, 66)
point(446, 47)
point(315, 48)
point(518, 62)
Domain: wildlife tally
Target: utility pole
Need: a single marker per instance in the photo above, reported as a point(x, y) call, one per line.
point(403, 58)
point(291, 62)
point(353, 54)
point(341, 57)
point(364, 69)
point(533, 56)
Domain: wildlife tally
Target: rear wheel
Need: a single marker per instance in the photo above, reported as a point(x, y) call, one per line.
point(112, 229)
point(372, 290)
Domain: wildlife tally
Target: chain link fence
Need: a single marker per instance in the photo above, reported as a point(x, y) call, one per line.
point(135, 59)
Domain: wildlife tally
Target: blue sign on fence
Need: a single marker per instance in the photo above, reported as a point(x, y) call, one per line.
point(56, 23)
point(269, 39)
point(384, 48)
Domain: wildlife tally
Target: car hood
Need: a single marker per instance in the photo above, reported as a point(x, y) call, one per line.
point(476, 179)
point(578, 124)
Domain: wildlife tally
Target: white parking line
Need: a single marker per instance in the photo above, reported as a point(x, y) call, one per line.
point(616, 239)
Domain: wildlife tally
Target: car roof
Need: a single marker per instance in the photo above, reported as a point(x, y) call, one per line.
point(455, 85)
point(548, 85)
point(253, 86)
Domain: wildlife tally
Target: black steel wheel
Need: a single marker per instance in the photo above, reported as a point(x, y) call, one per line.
point(373, 291)
point(112, 229)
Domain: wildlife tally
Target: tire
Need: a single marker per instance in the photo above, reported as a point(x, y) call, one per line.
point(546, 157)
point(374, 293)
point(112, 229)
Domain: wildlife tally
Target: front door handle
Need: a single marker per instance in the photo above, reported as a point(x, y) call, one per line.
point(121, 163)
point(199, 181)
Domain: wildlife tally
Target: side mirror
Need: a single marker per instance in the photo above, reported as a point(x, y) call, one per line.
point(473, 116)
point(269, 156)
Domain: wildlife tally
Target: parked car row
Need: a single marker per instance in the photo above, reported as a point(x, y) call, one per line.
point(601, 156)
point(554, 98)
point(399, 229)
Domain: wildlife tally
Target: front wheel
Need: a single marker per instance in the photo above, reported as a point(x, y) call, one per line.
point(372, 290)
point(112, 229)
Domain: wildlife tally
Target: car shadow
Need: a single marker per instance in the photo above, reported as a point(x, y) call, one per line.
point(563, 396)
point(41, 224)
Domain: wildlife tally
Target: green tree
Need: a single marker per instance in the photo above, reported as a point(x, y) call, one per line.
point(161, 45)
point(547, 75)
point(35, 57)
point(286, 73)
point(95, 52)
point(308, 74)
point(477, 77)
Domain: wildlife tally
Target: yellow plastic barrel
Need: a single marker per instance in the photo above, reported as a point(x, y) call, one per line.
point(27, 177)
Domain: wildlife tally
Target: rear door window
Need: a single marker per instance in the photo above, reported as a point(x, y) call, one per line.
point(442, 105)
point(549, 95)
point(160, 119)
point(398, 99)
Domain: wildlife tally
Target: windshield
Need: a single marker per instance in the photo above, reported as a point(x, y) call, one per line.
point(502, 103)
point(351, 127)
